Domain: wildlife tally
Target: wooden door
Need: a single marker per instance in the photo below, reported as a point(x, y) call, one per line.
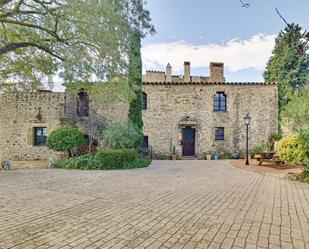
point(188, 141)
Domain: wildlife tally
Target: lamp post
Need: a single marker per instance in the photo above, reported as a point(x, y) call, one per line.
point(247, 120)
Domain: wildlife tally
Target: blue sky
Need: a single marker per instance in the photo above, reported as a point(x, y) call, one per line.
point(218, 30)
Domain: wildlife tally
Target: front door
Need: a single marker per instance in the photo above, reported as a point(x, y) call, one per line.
point(188, 141)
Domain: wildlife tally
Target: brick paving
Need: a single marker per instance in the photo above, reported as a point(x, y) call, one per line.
point(171, 204)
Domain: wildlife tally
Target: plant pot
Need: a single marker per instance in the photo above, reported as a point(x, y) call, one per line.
point(174, 157)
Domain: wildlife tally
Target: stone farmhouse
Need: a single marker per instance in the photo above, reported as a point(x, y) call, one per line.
point(193, 114)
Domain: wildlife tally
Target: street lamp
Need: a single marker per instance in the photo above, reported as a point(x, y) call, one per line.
point(247, 120)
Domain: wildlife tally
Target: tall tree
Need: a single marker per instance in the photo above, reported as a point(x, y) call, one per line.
point(287, 66)
point(73, 37)
point(135, 81)
point(141, 25)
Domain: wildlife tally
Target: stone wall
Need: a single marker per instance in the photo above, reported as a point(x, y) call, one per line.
point(20, 113)
point(171, 105)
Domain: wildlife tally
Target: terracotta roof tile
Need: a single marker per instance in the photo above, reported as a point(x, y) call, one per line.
point(208, 83)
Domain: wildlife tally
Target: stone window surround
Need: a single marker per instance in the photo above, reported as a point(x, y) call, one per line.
point(34, 129)
point(219, 93)
point(220, 136)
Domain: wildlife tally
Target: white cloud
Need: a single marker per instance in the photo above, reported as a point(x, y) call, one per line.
point(237, 55)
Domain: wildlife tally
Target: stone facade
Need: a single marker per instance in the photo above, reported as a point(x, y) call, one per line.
point(174, 103)
point(173, 106)
point(21, 113)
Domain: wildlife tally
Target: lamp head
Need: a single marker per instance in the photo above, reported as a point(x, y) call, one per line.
point(247, 119)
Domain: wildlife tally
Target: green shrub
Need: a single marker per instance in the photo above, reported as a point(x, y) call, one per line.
point(258, 149)
point(304, 140)
point(304, 176)
point(81, 162)
point(121, 135)
point(292, 150)
point(65, 139)
point(115, 159)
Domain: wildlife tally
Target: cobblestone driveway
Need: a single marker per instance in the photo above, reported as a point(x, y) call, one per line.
point(181, 204)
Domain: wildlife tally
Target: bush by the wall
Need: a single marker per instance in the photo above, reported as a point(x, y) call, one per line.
point(257, 149)
point(80, 162)
point(121, 135)
point(292, 150)
point(65, 139)
point(115, 159)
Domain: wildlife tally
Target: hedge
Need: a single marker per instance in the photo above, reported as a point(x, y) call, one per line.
point(115, 159)
point(80, 162)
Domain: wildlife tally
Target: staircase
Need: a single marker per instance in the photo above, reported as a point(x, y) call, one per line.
point(92, 124)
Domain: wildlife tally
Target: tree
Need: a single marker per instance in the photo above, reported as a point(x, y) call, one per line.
point(121, 135)
point(295, 114)
point(287, 66)
point(140, 22)
point(73, 37)
point(66, 139)
point(135, 81)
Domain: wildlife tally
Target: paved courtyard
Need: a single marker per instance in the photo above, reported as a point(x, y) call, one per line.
point(171, 204)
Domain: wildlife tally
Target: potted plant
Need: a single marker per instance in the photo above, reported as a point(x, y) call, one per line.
point(208, 155)
point(216, 156)
point(235, 154)
point(174, 157)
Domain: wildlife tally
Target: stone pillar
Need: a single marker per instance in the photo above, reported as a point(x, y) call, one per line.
point(168, 77)
point(187, 72)
point(50, 82)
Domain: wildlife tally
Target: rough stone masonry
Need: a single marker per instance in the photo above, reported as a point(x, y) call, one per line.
point(193, 114)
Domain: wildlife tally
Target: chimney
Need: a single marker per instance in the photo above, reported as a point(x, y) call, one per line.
point(168, 77)
point(216, 70)
point(50, 82)
point(187, 72)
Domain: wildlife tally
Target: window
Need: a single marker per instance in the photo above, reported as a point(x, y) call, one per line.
point(82, 104)
point(40, 134)
point(219, 133)
point(145, 144)
point(144, 101)
point(220, 102)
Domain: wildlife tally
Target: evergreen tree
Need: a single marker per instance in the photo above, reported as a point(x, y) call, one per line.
point(141, 26)
point(135, 81)
point(288, 66)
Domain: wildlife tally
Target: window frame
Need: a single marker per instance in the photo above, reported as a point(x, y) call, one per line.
point(220, 102)
point(143, 142)
point(144, 101)
point(82, 104)
point(219, 134)
point(39, 140)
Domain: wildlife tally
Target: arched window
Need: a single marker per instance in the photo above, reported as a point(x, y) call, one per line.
point(220, 102)
point(144, 101)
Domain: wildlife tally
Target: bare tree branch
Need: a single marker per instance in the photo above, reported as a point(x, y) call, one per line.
point(282, 17)
point(244, 5)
